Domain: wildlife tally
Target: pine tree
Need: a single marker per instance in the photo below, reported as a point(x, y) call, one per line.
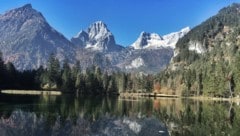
point(121, 80)
point(76, 70)
point(78, 82)
point(105, 82)
point(2, 71)
point(112, 87)
point(54, 72)
point(236, 73)
point(67, 82)
point(11, 74)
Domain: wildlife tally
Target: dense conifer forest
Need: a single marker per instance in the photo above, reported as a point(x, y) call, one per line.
point(214, 72)
point(72, 79)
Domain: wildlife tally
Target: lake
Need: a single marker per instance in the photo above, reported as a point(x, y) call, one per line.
point(113, 116)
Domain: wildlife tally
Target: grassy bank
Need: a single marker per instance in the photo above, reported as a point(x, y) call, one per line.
point(147, 95)
point(207, 98)
point(201, 98)
point(31, 92)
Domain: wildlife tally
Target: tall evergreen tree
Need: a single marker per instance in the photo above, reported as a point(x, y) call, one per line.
point(54, 71)
point(67, 81)
point(76, 70)
point(2, 71)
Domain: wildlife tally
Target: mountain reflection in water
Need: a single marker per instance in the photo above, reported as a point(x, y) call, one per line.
point(67, 115)
point(109, 116)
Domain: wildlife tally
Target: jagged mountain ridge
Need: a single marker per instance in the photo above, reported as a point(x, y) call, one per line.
point(153, 41)
point(27, 40)
point(97, 37)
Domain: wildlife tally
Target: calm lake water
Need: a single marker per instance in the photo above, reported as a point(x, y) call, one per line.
point(103, 116)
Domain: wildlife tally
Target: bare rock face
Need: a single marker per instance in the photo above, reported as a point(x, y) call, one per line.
point(96, 38)
point(149, 54)
point(154, 41)
point(27, 40)
point(80, 39)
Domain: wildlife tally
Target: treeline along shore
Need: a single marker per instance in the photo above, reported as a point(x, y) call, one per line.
point(62, 77)
point(91, 81)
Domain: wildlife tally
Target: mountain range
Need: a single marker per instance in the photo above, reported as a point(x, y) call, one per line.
point(27, 40)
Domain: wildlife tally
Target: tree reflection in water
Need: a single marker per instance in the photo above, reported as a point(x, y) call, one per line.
point(69, 115)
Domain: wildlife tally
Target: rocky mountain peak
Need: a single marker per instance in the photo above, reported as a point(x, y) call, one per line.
point(81, 33)
point(155, 41)
point(83, 36)
point(27, 6)
point(146, 35)
point(27, 40)
point(145, 38)
point(98, 30)
point(96, 38)
point(25, 12)
point(21, 18)
point(80, 39)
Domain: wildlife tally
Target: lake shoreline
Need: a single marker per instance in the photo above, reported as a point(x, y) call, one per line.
point(147, 95)
point(155, 95)
point(123, 95)
point(207, 98)
point(31, 92)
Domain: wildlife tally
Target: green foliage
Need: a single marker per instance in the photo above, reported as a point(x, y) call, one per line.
point(206, 32)
point(215, 72)
point(72, 79)
point(67, 78)
point(10, 78)
point(54, 71)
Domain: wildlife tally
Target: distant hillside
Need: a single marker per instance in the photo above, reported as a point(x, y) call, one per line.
point(207, 60)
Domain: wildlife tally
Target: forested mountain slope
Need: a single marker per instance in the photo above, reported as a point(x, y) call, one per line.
point(207, 60)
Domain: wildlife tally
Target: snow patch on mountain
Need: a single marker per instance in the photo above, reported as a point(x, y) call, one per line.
point(197, 47)
point(148, 40)
point(136, 63)
point(172, 38)
point(155, 41)
point(97, 38)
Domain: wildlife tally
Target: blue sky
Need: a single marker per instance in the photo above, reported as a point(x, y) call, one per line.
point(126, 19)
